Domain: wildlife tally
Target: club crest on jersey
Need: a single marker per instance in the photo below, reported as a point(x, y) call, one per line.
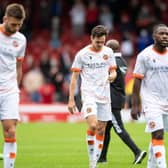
point(15, 44)
point(105, 57)
point(152, 125)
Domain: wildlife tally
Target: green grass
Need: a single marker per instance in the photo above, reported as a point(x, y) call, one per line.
point(62, 145)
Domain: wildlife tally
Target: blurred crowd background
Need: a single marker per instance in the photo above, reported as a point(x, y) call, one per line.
point(57, 29)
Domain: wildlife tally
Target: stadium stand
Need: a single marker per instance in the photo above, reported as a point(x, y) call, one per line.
point(52, 43)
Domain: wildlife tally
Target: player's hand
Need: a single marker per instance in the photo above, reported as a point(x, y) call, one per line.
point(72, 107)
point(135, 112)
point(112, 76)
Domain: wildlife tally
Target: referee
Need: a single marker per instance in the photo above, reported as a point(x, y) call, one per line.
point(118, 99)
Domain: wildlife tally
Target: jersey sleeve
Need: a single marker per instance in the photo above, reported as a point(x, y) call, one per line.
point(140, 69)
point(77, 63)
point(22, 50)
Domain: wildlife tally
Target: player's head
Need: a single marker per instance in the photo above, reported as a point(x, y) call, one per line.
point(114, 45)
point(13, 18)
point(160, 35)
point(98, 36)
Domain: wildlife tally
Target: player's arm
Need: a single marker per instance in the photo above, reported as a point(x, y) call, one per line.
point(19, 71)
point(73, 83)
point(138, 74)
point(19, 60)
point(136, 102)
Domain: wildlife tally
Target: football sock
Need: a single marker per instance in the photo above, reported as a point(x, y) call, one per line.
point(151, 159)
point(159, 153)
point(90, 138)
point(9, 152)
point(98, 146)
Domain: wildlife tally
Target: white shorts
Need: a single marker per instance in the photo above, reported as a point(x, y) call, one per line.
point(102, 111)
point(9, 106)
point(156, 119)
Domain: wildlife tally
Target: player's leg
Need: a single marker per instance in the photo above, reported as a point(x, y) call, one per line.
point(156, 128)
point(125, 137)
point(100, 131)
point(151, 159)
point(90, 139)
point(9, 117)
point(95, 141)
point(89, 111)
point(104, 115)
point(107, 137)
point(159, 148)
point(10, 147)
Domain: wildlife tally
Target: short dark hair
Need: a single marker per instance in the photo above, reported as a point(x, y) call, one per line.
point(15, 10)
point(99, 31)
point(113, 44)
point(155, 28)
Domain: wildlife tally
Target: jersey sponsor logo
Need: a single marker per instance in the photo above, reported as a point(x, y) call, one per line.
point(157, 65)
point(94, 65)
point(159, 68)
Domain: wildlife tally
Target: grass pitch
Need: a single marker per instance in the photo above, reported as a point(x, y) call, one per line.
point(62, 145)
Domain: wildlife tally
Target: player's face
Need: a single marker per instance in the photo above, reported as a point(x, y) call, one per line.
point(98, 42)
point(12, 25)
point(161, 36)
